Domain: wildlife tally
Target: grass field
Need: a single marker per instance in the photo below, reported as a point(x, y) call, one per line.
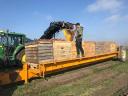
point(108, 78)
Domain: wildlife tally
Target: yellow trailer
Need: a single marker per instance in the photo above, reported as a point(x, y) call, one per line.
point(27, 72)
point(40, 69)
point(47, 56)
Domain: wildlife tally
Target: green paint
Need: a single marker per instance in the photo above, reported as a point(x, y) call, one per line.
point(10, 44)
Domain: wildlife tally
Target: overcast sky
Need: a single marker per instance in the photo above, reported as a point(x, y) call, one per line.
point(102, 19)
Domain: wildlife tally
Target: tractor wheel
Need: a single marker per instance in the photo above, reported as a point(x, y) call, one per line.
point(1, 63)
point(20, 56)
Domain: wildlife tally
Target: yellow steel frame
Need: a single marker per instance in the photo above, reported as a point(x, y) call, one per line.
point(26, 73)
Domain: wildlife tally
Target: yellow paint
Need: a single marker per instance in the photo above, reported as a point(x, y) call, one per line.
point(27, 73)
point(75, 62)
point(23, 59)
point(69, 35)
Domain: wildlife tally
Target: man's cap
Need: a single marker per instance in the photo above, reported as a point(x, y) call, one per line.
point(77, 23)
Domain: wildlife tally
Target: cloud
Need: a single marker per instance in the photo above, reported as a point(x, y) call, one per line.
point(113, 18)
point(116, 18)
point(105, 5)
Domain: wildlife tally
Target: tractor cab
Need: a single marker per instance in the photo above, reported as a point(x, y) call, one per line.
point(11, 46)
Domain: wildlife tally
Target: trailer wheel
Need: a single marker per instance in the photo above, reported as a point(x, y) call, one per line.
point(20, 56)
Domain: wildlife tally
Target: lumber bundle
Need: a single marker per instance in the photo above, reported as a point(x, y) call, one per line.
point(113, 47)
point(89, 48)
point(39, 51)
point(45, 51)
point(105, 47)
point(62, 50)
point(73, 50)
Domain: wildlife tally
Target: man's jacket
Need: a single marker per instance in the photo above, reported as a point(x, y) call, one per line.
point(79, 33)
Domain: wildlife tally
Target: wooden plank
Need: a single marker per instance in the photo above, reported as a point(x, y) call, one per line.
point(103, 47)
point(41, 55)
point(46, 61)
point(59, 50)
point(62, 50)
point(44, 45)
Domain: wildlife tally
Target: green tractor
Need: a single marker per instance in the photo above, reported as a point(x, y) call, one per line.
point(11, 48)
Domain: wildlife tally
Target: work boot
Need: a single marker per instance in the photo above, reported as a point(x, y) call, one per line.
point(82, 55)
point(78, 56)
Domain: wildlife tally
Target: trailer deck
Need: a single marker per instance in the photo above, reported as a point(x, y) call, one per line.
point(27, 72)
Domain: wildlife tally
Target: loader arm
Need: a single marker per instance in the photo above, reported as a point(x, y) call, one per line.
point(69, 35)
point(55, 27)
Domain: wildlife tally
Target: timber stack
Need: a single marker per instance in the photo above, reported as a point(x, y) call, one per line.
point(44, 51)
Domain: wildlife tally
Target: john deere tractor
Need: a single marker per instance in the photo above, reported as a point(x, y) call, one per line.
point(11, 48)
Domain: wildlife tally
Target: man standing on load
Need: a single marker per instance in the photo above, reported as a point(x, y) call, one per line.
point(78, 40)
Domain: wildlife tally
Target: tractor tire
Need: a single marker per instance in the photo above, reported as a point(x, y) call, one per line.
point(19, 57)
point(1, 64)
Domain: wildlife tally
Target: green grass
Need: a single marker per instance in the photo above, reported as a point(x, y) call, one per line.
point(83, 87)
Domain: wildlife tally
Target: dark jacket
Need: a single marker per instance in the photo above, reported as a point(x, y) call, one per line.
point(79, 33)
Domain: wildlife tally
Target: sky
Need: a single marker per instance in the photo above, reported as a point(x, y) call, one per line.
point(103, 20)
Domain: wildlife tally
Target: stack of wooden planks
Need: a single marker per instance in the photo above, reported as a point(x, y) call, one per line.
point(73, 50)
point(89, 48)
point(113, 47)
point(62, 50)
point(39, 51)
point(44, 51)
point(105, 47)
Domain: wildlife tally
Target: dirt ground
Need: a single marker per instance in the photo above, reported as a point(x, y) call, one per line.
point(109, 78)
